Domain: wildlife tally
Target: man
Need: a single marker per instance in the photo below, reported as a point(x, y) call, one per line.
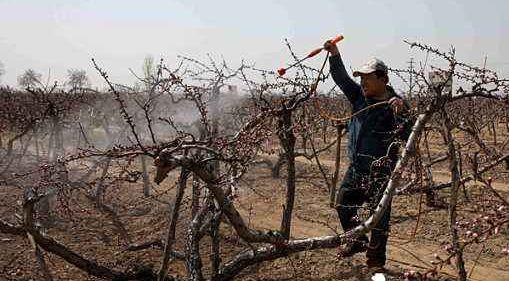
point(373, 150)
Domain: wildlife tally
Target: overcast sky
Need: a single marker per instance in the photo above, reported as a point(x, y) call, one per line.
point(64, 34)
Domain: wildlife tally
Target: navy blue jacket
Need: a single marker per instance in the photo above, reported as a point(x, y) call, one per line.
point(372, 131)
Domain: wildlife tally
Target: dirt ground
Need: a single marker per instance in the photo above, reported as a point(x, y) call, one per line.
point(406, 251)
point(260, 197)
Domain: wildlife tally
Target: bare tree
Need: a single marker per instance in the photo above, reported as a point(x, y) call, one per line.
point(29, 79)
point(77, 78)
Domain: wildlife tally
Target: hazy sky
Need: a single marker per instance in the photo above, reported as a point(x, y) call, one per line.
point(64, 34)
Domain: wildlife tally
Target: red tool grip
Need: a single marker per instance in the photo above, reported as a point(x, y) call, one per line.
point(333, 41)
point(337, 39)
point(315, 52)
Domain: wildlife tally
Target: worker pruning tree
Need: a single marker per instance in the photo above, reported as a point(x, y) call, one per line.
point(203, 162)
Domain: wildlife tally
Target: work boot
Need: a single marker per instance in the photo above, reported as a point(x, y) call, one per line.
point(377, 271)
point(378, 276)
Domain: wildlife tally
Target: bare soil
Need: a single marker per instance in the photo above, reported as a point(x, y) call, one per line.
point(260, 197)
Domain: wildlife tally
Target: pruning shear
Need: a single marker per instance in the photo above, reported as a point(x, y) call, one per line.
point(313, 53)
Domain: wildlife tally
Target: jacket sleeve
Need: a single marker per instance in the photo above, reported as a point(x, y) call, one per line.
point(350, 88)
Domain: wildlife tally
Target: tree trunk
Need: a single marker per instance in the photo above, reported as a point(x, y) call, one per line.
point(455, 179)
point(287, 139)
point(170, 237)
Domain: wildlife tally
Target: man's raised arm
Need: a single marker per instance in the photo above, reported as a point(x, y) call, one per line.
point(350, 88)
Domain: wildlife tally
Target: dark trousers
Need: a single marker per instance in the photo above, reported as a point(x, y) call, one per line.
point(356, 189)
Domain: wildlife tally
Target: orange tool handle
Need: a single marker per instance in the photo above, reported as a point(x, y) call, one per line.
point(337, 39)
point(317, 51)
point(314, 52)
